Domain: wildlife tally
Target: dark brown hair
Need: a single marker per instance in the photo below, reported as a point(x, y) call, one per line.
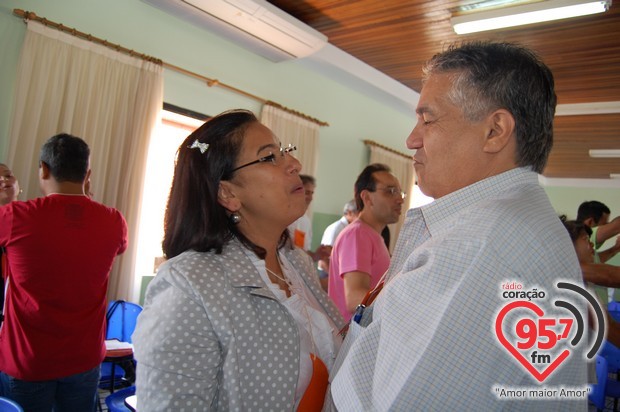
point(194, 218)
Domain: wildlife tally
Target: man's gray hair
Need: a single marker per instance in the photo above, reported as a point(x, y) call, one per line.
point(488, 76)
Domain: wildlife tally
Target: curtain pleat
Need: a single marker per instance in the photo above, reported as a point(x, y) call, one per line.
point(290, 128)
point(111, 100)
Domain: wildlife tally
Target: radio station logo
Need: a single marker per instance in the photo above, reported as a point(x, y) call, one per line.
point(540, 340)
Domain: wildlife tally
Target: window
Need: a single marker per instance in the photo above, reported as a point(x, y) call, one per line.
point(418, 198)
point(169, 134)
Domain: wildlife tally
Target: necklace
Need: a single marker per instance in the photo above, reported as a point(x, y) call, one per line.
point(283, 278)
point(303, 309)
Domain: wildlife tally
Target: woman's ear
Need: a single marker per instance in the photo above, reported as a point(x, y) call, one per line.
point(500, 132)
point(226, 197)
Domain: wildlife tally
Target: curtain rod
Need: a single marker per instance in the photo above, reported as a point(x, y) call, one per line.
point(372, 143)
point(28, 15)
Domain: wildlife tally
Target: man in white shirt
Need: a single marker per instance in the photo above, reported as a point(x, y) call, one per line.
point(431, 342)
point(349, 213)
point(301, 229)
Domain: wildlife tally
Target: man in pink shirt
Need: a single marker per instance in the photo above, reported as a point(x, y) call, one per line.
point(359, 257)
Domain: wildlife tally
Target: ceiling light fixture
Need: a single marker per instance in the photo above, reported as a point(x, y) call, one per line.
point(525, 14)
point(604, 153)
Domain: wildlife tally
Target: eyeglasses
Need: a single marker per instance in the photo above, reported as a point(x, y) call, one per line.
point(271, 157)
point(394, 192)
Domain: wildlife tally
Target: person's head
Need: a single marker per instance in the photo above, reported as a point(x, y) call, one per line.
point(9, 186)
point(309, 186)
point(378, 192)
point(580, 235)
point(484, 108)
point(232, 178)
point(65, 158)
point(593, 213)
point(349, 211)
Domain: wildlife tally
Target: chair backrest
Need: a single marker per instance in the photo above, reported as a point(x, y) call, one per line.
point(611, 353)
point(7, 405)
point(116, 401)
point(597, 393)
point(613, 308)
point(121, 320)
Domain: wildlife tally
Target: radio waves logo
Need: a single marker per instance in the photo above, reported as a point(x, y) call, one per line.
point(541, 341)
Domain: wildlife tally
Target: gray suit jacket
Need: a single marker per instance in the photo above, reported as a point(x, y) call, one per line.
point(213, 337)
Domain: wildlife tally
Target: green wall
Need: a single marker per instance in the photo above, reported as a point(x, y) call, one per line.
point(352, 115)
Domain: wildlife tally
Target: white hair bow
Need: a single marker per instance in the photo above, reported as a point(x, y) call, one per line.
point(201, 146)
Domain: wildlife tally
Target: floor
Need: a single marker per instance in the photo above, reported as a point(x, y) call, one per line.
point(102, 395)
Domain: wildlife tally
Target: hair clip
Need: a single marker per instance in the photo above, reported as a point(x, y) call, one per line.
point(202, 146)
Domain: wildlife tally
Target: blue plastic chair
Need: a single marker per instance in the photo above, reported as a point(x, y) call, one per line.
point(597, 394)
point(7, 405)
point(613, 308)
point(121, 318)
point(121, 321)
point(116, 401)
point(611, 353)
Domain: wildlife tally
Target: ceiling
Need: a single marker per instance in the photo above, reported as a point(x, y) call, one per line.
point(396, 37)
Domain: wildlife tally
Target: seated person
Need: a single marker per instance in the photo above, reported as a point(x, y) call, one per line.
point(595, 273)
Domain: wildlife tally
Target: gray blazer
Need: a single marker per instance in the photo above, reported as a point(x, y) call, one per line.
point(213, 337)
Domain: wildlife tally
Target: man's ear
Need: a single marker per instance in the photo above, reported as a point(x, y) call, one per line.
point(589, 222)
point(226, 197)
point(365, 196)
point(44, 171)
point(501, 128)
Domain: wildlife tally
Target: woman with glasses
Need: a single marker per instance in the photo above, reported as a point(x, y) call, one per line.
point(236, 318)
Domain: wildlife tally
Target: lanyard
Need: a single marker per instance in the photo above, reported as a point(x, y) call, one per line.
point(371, 295)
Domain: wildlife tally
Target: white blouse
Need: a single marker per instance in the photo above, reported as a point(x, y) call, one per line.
point(317, 332)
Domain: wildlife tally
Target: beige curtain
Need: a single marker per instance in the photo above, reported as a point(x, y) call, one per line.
point(402, 168)
point(111, 100)
point(301, 132)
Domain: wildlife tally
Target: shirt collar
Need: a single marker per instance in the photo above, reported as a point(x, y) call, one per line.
point(436, 212)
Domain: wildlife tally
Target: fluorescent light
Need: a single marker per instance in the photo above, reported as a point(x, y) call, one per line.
point(605, 153)
point(526, 14)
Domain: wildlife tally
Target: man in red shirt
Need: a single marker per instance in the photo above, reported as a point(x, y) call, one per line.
point(60, 249)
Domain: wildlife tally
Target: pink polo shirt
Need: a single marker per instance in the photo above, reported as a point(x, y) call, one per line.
point(358, 248)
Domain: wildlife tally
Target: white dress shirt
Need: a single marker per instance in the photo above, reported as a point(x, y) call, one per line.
point(431, 344)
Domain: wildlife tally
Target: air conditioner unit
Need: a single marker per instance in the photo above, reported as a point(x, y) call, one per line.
point(254, 24)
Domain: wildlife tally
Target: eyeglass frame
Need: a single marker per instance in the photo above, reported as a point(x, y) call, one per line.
point(393, 191)
point(269, 158)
